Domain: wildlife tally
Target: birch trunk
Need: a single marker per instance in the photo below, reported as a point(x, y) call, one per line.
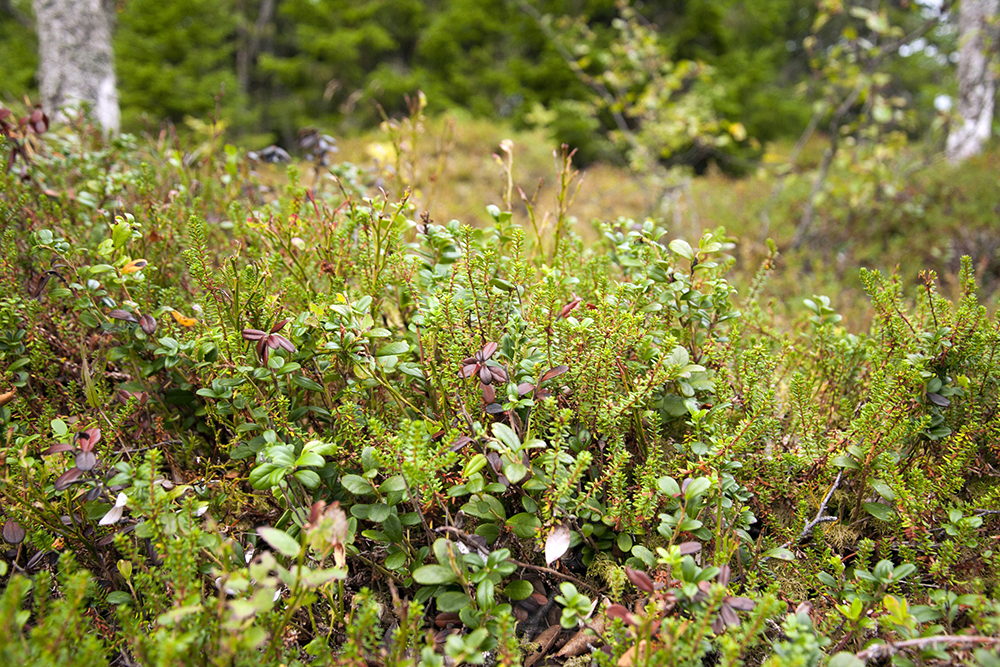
point(76, 61)
point(976, 82)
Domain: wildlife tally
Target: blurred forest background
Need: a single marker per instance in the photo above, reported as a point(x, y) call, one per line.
point(285, 64)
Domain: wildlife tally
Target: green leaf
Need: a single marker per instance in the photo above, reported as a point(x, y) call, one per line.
point(280, 541)
point(393, 349)
point(119, 597)
point(430, 575)
point(515, 472)
point(308, 478)
point(357, 485)
point(518, 590)
point(306, 383)
point(682, 248)
point(524, 525)
point(452, 601)
point(845, 659)
point(506, 435)
point(379, 512)
point(780, 553)
point(880, 511)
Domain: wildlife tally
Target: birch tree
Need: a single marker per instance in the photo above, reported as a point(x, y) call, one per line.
point(76, 60)
point(976, 80)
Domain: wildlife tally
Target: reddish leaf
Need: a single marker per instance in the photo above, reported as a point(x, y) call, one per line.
point(468, 370)
point(67, 478)
point(447, 618)
point(277, 340)
point(88, 438)
point(499, 373)
point(58, 447)
point(460, 442)
point(525, 388)
point(470, 361)
point(485, 375)
point(639, 579)
point(489, 393)
point(488, 350)
point(278, 325)
point(743, 604)
point(554, 372)
point(569, 308)
point(13, 533)
point(253, 334)
point(724, 573)
point(689, 548)
point(729, 616)
point(148, 324)
point(618, 611)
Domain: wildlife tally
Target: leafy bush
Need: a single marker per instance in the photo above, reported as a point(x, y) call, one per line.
point(291, 425)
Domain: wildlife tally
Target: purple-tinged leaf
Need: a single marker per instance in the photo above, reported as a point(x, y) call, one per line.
point(494, 409)
point(525, 388)
point(67, 478)
point(485, 375)
point(729, 616)
point(468, 371)
point(554, 372)
point(148, 324)
point(743, 604)
point(557, 543)
point(494, 460)
point(639, 579)
point(489, 393)
point(119, 314)
point(689, 548)
point(277, 340)
point(470, 361)
point(279, 325)
point(724, 573)
point(938, 399)
point(13, 533)
point(58, 447)
point(108, 539)
point(618, 611)
point(488, 350)
point(499, 373)
point(459, 443)
point(569, 308)
point(253, 334)
point(86, 461)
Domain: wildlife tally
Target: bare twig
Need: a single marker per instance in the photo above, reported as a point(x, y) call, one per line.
point(879, 651)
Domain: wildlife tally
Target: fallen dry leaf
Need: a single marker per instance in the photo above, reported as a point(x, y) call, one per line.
point(545, 642)
point(583, 641)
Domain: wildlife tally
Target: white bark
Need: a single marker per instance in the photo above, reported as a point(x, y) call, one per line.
point(76, 61)
point(976, 82)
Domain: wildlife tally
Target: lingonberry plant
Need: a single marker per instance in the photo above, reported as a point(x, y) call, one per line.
point(314, 427)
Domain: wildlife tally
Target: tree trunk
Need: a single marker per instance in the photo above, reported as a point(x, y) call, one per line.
point(76, 61)
point(976, 83)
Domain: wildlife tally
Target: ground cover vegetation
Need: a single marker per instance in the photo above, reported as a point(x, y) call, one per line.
point(297, 422)
point(302, 414)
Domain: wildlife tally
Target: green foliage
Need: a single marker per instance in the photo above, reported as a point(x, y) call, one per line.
point(312, 428)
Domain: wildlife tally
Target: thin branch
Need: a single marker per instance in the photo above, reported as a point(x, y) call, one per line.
point(879, 651)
